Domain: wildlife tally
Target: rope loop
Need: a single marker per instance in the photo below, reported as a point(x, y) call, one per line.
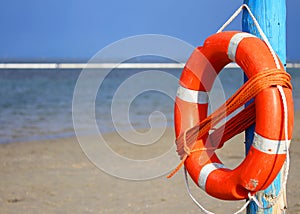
point(186, 149)
point(241, 121)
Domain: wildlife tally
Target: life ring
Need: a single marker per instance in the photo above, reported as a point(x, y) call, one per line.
point(268, 152)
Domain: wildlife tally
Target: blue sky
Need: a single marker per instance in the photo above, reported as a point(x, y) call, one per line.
point(78, 29)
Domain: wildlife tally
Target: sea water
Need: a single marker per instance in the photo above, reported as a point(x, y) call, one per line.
point(37, 104)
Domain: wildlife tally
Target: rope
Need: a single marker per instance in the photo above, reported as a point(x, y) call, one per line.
point(192, 197)
point(260, 31)
point(249, 90)
point(204, 210)
point(204, 127)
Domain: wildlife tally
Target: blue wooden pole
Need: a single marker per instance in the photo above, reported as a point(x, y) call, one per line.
point(271, 15)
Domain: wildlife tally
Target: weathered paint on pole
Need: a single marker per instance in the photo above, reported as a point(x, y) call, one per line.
point(271, 15)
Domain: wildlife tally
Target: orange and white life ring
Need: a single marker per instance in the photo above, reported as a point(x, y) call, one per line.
point(268, 151)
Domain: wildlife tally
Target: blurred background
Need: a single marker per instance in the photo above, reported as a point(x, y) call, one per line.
point(70, 30)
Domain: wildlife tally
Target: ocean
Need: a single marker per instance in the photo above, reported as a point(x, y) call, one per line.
point(37, 104)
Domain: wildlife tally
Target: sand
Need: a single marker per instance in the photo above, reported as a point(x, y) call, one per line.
point(55, 176)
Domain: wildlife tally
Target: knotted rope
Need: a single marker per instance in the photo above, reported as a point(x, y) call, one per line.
point(262, 80)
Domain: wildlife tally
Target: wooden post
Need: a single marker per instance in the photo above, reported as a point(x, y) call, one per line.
point(271, 15)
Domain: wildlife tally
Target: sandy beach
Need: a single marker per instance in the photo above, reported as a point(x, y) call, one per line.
point(55, 176)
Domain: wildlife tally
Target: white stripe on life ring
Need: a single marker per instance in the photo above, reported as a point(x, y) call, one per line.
point(192, 96)
point(270, 146)
point(205, 171)
point(234, 43)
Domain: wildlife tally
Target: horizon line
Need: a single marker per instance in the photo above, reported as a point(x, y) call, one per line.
point(108, 65)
